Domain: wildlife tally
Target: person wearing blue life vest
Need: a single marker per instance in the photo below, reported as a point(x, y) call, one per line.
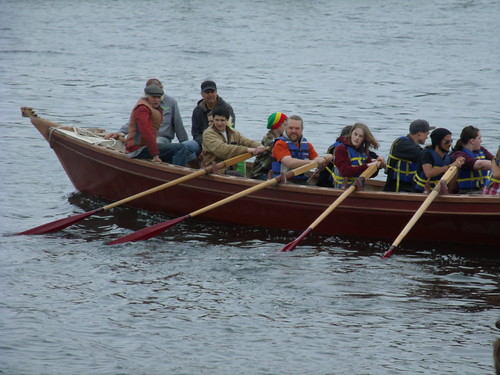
point(403, 157)
point(325, 177)
point(292, 151)
point(434, 161)
point(353, 156)
point(475, 171)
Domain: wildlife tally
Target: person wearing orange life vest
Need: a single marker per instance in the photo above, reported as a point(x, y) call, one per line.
point(292, 151)
point(143, 127)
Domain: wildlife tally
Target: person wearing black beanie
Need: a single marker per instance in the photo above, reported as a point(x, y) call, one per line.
point(435, 161)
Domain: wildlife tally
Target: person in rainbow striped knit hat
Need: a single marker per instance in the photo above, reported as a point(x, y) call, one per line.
point(262, 165)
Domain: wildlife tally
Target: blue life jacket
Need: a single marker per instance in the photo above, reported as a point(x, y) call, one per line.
point(420, 179)
point(473, 179)
point(357, 159)
point(301, 152)
point(402, 170)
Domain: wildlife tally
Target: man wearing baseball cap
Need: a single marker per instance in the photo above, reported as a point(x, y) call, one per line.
point(404, 155)
point(210, 100)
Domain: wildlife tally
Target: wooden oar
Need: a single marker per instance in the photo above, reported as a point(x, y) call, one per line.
point(365, 175)
point(447, 177)
point(152, 231)
point(54, 226)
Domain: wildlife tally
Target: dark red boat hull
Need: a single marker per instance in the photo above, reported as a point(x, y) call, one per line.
point(109, 174)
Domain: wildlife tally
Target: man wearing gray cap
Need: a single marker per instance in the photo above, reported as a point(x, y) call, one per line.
point(210, 100)
point(143, 126)
point(403, 157)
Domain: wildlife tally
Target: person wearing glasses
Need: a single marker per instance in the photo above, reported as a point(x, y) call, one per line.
point(474, 173)
point(434, 161)
point(143, 126)
point(210, 100)
point(403, 157)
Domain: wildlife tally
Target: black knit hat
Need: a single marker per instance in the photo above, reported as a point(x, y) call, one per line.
point(438, 135)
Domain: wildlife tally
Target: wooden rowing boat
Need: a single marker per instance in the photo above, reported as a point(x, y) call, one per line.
point(100, 167)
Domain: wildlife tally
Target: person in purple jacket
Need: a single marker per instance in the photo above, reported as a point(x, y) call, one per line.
point(474, 173)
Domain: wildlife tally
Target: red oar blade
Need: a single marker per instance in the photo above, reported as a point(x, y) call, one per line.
point(388, 253)
point(291, 245)
point(149, 232)
point(54, 226)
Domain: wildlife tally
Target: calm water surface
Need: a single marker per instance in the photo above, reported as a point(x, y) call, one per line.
point(212, 299)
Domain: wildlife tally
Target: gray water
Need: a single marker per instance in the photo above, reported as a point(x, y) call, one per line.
point(212, 299)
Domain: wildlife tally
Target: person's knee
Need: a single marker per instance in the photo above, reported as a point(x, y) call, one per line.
point(193, 146)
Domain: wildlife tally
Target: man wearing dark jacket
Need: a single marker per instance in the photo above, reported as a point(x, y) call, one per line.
point(199, 119)
point(403, 157)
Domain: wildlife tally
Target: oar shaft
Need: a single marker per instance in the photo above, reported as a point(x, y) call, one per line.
point(334, 205)
point(234, 197)
point(177, 181)
point(262, 185)
point(365, 175)
point(416, 216)
point(180, 180)
point(66, 222)
point(447, 177)
point(156, 229)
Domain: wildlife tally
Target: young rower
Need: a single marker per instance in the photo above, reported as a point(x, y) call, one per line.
point(474, 173)
point(434, 161)
point(352, 156)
